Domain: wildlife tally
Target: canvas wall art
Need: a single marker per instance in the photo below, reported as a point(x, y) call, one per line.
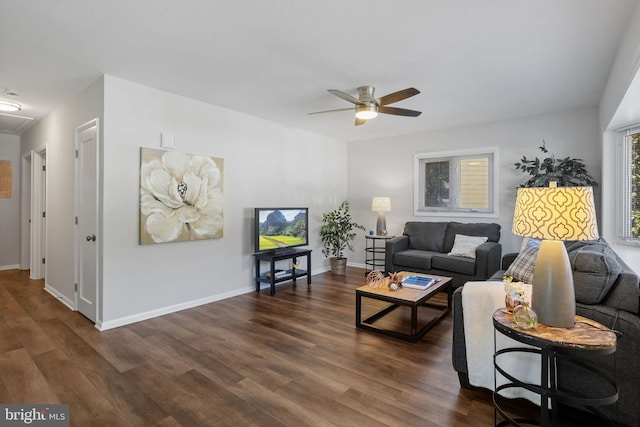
point(6, 172)
point(181, 196)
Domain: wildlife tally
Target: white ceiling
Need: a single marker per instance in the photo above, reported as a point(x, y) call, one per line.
point(473, 60)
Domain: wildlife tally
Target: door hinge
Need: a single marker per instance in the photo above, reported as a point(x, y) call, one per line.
point(44, 168)
point(43, 260)
point(76, 154)
point(76, 220)
point(75, 287)
point(44, 214)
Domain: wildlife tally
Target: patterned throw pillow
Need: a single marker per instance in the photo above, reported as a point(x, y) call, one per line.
point(465, 246)
point(521, 269)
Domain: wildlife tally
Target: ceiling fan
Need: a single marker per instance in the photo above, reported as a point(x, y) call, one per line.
point(367, 106)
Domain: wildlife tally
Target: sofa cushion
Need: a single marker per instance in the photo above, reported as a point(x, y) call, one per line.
point(454, 264)
point(595, 269)
point(426, 236)
point(465, 246)
point(521, 269)
point(489, 230)
point(413, 258)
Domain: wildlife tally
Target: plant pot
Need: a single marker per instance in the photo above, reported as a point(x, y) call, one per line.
point(338, 266)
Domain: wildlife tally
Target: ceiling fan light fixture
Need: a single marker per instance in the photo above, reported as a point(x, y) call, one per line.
point(366, 112)
point(9, 106)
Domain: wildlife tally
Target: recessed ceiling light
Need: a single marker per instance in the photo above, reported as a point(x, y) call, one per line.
point(9, 106)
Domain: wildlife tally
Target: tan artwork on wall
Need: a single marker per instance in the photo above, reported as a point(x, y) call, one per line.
point(181, 196)
point(6, 173)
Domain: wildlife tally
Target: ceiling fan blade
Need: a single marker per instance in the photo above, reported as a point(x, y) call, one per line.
point(398, 96)
point(360, 121)
point(332, 111)
point(399, 111)
point(346, 96)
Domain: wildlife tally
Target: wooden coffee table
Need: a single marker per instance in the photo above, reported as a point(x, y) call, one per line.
point(404, 297)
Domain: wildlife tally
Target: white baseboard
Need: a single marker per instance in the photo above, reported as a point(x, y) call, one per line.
point(9, 267)
point(60, 297)
point(139, 317)
point(127, 320)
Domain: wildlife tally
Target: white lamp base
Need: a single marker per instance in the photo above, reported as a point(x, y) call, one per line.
point(553, 296)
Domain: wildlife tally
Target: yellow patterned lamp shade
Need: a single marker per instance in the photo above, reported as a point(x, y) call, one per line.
point(557, 213)
point(554, 214)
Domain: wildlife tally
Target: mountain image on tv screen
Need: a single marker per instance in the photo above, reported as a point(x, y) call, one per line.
point(282, 228)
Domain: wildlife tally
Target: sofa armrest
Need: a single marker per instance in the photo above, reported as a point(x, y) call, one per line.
point(396, 244)
point(488, 257)
point(507, 259)
point(458, 348)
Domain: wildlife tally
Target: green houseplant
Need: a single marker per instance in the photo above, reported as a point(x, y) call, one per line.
point(337, 234)
point(566, 172)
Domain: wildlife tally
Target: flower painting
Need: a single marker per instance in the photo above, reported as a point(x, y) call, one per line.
point(181, 196)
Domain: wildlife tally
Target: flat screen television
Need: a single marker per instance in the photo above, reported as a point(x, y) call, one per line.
point(280, 229)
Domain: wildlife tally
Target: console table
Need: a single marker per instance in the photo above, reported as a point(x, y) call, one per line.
point(374, 253)
point(554, 344)
point(292, 274)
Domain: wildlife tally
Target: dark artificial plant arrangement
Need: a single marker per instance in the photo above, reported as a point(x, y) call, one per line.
point(337, 231)
point(566, 172)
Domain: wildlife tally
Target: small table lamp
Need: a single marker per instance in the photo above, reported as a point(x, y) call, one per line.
point(554, 214)
point(381, 205)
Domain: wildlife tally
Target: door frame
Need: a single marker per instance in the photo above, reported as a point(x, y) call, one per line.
point(94, 122)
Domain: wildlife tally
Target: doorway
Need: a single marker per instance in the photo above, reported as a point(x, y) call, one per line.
point(34, 221)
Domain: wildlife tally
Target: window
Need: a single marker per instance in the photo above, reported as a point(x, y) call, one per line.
point(629, 201)
point(460, 182)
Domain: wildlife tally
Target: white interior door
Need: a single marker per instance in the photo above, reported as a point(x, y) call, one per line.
point(87, 238)
point(38, 216)
point(25, 213)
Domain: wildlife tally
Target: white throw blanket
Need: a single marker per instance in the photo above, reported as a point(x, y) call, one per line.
point(479, 301)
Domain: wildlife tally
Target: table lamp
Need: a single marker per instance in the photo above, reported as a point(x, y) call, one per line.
point(554, 214)
point(381, 205)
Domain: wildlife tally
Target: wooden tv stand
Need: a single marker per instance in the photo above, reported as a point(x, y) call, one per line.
point(270, 276)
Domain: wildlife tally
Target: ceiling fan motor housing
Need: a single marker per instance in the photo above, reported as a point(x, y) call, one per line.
point(365, 93)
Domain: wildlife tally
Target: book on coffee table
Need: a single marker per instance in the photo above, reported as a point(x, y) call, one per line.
point(418, 282)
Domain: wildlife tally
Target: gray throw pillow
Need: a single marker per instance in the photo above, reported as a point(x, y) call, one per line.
point(426, 236)
point(595, 270)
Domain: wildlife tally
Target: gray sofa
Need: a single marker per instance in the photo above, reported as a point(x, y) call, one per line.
point(607, 291)
point(424, 248)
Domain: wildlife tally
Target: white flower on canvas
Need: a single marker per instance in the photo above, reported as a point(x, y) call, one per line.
point(181, 197)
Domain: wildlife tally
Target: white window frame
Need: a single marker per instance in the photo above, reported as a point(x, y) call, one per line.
point(418, 183)
point(623, 187)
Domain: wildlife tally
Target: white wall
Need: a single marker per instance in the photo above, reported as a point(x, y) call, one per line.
point(384, 167)
point(10, 207)
point(56, 133)
point(620, 107)
point(265, 164)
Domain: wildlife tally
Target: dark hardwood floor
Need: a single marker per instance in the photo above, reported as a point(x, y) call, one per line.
point(294, 359)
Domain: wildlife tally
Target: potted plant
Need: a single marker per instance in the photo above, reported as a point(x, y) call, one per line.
point(566, 172)
point(337, 234)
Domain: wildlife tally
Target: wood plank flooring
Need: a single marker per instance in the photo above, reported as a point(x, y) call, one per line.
point(294, 359)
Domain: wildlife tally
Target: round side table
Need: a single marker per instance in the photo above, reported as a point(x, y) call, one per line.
point(553, 345)
point(375, 252)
